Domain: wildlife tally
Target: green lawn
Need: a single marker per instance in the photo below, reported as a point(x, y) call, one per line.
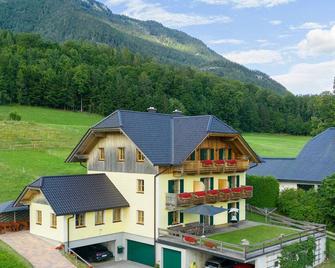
point(253, 234)
point(255, 217)
point(276, 145)
point(10, 259)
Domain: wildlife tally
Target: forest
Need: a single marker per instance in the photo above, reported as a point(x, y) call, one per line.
point(98, 78)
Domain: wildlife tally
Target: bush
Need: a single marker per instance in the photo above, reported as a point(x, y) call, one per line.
point(327, 201)
point(300, 205)
point(266, 191)
point(14, 116)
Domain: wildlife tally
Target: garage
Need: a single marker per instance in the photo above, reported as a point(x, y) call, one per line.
point(171, 258)
point(141, 252)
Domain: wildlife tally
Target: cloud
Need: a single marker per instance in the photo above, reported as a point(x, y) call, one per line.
point(318, 42)
point(247, 3)
point(260, 56)
point(275, 22)
point(226, 41)
point(308, 26)
point(307, 78)
point(143, 10)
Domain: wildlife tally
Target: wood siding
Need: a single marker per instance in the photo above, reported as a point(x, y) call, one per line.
point(111, 142)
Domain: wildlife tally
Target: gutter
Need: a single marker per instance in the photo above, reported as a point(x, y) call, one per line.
point(68, 232)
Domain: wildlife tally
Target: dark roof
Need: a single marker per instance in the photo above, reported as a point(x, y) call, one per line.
point(165, 139)
point(8, 207)
point(79, 193)
point(315, 161)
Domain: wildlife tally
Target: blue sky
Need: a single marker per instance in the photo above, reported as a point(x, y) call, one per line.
point(291, 40)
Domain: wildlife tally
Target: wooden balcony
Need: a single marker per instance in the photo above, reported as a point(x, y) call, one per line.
point(211, 166)
point(174, 201)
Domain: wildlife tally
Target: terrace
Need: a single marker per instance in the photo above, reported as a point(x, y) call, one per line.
point(243, 242)
point(187, 199)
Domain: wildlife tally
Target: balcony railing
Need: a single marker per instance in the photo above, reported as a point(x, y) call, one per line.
point(212, 166)
point(187, 199)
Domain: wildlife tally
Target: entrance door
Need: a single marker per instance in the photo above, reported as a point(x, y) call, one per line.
point(171, 258)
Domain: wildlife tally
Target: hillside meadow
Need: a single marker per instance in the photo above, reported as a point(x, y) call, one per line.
point(39, 143)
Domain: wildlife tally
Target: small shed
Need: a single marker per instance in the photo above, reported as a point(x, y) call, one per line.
point(8, 213)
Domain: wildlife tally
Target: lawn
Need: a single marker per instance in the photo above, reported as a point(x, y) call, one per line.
point(253, 234)
point(10, 259)
point(255, 217)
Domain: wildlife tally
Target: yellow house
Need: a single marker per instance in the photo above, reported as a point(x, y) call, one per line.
point(145, 170)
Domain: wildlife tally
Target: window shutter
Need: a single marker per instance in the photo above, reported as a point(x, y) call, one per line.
point(238, 181)
point(171, 186)
point(230, 181)
point(170, 218)
point(181, 186)
point(229, 154)
point(211, 220)
point(212, 154)
point(181, 217)
point(221, 154)
point(238, 214)
point(212, 183)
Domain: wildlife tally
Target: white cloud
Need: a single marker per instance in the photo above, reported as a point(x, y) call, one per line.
point(307, 78)
point(318, 42)
point(275, 22)
point(248, 3)
point(260, 56)
point(143, 10)
point(226, 41)
point(308, 26)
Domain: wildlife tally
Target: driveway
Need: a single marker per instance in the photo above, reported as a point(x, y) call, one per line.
point(39, 252)
point(119, 264)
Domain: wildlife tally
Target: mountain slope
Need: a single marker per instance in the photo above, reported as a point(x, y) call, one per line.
point(61, 20)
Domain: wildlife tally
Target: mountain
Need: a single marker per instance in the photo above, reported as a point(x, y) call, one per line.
point(61, 20)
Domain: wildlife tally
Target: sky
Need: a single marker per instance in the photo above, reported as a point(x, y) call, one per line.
point(293, 41)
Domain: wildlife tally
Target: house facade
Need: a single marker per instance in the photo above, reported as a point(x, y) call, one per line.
point(315, 162)
point(143, 170)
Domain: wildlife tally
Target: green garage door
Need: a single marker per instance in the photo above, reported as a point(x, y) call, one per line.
point(171, 258)
point(140, 252)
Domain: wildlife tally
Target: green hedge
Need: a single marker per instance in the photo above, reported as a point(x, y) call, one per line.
point(266, 191)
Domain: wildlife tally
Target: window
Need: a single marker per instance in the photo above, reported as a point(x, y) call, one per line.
point(175, 217)
point(101, 154)
point(121, 154)
point(222, 155)
point(140, 186)
point(39, 217)
point(80, 220)
point(139, 156)
point(140, 217)
point(191, 157)
point(207, 154)
point(99, 217)
point(53, 220)
point(116, 214)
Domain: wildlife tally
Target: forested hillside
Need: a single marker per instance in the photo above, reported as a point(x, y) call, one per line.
point(61, 20)
point(102, 79)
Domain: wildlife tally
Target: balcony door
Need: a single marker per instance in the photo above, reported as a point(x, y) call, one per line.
point(206, 154)
point(234, 181)
point(208, 183)
point(175, 186)
point(207, 220)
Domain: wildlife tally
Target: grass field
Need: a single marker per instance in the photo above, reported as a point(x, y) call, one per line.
point(39, 143)
point(10, 259)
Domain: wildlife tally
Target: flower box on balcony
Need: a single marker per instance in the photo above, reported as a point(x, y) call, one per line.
point(210, 244)
point(184, 199)
point(219, 162)
point(185, 196)
point(207, 163)
point(199, 197)
point(190, 240)
point(236, 193)
point(224, 195)
point(212, 196)
point(247, 191)
point(231, 162)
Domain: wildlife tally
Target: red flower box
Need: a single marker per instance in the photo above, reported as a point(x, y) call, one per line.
point(207, 162)
point(219, 162)
point(190, 239)
point(226, 191)
point(185, 196)
point(237, 190)
point(200, 194)
point(213, 192)
point(248, 188)
point(231, 162)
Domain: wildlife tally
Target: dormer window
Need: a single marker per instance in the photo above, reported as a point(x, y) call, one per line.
point(121, 154)
point(101, 154)
point(191, 157)
point(139, 156)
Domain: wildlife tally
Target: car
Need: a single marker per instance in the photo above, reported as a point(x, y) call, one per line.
point(94, 253)
point(219, 263)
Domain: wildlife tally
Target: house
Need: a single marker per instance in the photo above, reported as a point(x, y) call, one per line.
point(315, 162)
point(144, 170)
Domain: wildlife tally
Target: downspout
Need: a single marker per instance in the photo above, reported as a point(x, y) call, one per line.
point(155, 206)
point(68, 232)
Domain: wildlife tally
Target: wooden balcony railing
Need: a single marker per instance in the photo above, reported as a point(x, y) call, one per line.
point(188, 199)
point(212, 166)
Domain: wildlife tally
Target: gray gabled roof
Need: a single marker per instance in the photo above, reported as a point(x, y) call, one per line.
point(9, 207)
point(315, 161)
point(165, 139)
point(73, 194)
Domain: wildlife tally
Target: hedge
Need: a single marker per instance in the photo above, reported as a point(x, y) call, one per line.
point(266, 191)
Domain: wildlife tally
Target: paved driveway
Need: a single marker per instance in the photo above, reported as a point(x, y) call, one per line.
point(119, 264)
point(39, 252)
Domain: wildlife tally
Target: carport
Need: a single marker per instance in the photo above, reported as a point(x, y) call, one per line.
point(13, 218)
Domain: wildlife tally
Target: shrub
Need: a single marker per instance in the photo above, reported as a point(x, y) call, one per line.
point(14, 116)
point(266, 191)
point(327, 201)
point(300, 205)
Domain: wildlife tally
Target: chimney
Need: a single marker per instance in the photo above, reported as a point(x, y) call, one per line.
point(151, 109)
point(177, 113)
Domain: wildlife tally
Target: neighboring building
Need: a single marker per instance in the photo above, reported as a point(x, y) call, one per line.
point(144, 169)
point(315, 162)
